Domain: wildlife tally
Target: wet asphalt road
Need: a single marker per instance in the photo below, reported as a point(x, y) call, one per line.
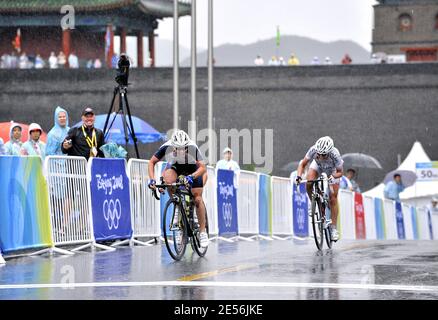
point(272, 270)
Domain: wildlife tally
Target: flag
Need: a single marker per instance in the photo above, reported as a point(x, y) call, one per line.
point(107, 40)
point(17, 41)
point(278, 36)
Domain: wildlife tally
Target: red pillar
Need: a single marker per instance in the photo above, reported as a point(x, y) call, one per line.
point(123, 40)
point(140, 49)
point(110, 54)
point(151, 39)
point(66, 44)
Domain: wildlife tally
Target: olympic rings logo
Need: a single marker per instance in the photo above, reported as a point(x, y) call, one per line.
point(112, 212)
point(301, 218)
point(227, 214)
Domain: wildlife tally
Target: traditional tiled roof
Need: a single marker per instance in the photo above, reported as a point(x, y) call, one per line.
point(55, 5)
point(32, 6)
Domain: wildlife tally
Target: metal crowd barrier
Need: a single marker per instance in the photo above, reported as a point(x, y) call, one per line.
point(434, 218)
point(346, 215)
point(282, 223)
point(145, 211)
point(247, 204)
point(407, 219)
point(423, 224)
point(209, 196)
point(70, 202)
point(68, 182)
point(390, 225)
point(370, 217)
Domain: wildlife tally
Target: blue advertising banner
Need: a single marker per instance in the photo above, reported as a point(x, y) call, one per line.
point(110, 201)
point(399, 220)
point(226, 203)
point(414, 222)
point(24, 199)
point(265, 207)
point(300, 205)
point(380, 221)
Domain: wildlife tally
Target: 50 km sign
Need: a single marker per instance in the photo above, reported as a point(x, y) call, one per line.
point(427, 171)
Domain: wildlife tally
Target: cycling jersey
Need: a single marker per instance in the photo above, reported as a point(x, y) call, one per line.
point(184, 164)
point(329, 165)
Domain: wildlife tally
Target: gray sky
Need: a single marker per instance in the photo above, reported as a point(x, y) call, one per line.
point(246, 21)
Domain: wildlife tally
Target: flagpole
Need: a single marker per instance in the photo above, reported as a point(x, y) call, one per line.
point(175, 65)
point(211, 152)
point(192, 128)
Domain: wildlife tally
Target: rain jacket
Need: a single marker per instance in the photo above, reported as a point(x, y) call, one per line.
point(2, 147)
point(56, 135)
point(32, 148)
point(13, 147)
point(392, 190)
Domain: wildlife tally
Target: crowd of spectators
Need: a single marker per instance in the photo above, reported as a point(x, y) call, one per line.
point(54, 61)
point(294, 60)
point(85, 140)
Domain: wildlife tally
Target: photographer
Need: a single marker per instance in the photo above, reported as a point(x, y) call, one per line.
point(86, 140)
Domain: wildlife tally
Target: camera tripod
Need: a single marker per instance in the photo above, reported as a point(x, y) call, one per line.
point(121, 91)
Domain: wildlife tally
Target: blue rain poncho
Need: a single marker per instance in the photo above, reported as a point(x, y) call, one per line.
point(57, 135)
point(13, 146)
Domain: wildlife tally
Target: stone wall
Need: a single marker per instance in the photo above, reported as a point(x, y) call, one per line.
point(379, 110)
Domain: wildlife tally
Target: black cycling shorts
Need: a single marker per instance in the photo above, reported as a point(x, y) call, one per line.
point(197, 183)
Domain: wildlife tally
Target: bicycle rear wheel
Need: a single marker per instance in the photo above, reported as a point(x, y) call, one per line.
point(317, 223)
point(175, 239)
point(196, 242)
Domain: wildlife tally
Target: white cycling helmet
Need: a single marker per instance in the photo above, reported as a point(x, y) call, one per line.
point(179, 139)
point(324, 145)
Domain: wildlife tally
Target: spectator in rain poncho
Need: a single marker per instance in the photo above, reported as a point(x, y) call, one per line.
point(34, 146)
point(13, 146)
point(2, 147)
point(58, 133)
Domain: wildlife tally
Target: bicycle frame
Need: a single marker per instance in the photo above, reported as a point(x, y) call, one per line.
point(179, 196)
point(320, 198)
point(189, 226)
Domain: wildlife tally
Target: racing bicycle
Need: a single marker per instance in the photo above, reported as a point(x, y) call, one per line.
point(184, 227)
point(319, 203)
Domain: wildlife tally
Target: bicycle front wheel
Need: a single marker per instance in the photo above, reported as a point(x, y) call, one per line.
point(175, 237)
point(317, 223)
point(328, 237)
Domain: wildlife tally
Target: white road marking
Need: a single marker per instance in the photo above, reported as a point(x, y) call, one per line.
point(224, 284)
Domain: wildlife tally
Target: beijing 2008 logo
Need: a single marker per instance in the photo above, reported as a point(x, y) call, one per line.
point(227, 213)
point(112, 212)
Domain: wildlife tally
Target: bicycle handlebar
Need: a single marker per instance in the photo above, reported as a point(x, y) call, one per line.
point(315, 180)
point(311, 181)
point(171, 185)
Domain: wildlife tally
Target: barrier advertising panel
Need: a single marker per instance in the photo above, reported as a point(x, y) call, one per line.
point(24, 215)
point(110, 199)
point(226, 203)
